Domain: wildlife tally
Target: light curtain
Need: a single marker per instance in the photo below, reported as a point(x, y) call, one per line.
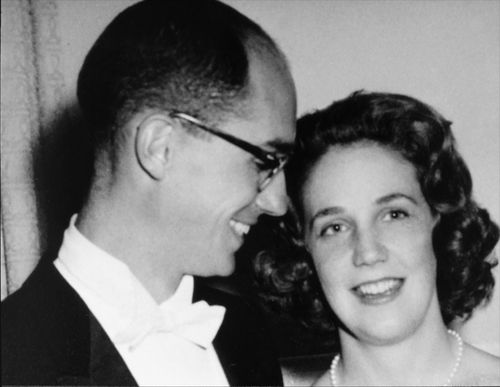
point(31, 109)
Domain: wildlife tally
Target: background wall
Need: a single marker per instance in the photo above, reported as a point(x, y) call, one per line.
point(446, 53)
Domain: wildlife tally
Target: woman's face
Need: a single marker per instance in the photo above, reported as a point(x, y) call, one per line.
point(369, 230)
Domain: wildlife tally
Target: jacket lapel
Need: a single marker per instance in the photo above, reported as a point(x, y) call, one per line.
point(86, 355)
point(230, 355)
point(106, 367)
point(226, 341)
point(242, 343)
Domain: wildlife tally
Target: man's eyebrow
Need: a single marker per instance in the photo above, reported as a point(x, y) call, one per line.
point(325, 212)
point(394, 196)
point(281, 146)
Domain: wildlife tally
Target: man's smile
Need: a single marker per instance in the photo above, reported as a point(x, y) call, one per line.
point(241, 229)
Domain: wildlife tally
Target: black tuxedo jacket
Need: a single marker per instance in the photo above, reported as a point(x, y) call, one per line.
point(50, 337)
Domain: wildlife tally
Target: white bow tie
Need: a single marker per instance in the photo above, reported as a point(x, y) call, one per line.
point(198, 323)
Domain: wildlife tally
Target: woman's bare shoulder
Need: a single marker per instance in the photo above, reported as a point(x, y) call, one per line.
point(478, 368)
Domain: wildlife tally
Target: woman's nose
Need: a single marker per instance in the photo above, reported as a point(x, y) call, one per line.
point(369, 249)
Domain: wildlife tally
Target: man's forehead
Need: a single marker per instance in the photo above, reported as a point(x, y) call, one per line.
point(273, 117)
point(266, 116)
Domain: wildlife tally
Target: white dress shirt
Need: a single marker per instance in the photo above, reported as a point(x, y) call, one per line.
point(144, 333)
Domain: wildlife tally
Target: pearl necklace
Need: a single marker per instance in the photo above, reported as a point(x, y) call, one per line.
point(460, 343)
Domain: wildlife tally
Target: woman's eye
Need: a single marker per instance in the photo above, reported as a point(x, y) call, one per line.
point(332, 229)
point(395, 215)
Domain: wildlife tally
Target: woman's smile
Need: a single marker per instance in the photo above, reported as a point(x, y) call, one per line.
point(380, 291)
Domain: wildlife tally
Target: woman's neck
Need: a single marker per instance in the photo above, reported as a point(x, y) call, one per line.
point(425, 357)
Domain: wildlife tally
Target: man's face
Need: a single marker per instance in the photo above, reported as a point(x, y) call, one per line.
point(218, 190)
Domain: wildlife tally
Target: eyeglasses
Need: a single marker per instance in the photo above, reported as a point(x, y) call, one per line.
point(269, 162)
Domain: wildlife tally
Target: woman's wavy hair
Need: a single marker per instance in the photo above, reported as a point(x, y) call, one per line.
point(462, 239)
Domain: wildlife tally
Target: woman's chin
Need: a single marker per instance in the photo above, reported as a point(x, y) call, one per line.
point(383, 333)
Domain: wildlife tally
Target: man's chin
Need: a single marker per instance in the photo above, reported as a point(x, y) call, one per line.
point(219, 269)
point(227, 269)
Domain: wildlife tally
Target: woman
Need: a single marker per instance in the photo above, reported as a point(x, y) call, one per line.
point(400, 248)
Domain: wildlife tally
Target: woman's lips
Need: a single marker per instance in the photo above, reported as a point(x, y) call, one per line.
point(379, 291)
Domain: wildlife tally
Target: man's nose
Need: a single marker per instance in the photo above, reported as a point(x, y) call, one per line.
point(369, 248)
point(273, 200)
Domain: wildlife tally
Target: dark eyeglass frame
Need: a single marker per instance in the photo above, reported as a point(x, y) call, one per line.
point(270, 160)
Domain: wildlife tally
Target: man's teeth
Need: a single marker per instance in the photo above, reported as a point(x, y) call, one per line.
point(379, 287)
point(240, 228)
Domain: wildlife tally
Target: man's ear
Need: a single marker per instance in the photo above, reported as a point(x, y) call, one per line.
point(153, 144)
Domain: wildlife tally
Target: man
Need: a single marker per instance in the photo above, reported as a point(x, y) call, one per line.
point(192, 109)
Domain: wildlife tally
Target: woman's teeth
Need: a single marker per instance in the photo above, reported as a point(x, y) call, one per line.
point(239, 228)
point(379, 287)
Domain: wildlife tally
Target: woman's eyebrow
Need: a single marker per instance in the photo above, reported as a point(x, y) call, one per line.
point(325, 212)
point(394, 196)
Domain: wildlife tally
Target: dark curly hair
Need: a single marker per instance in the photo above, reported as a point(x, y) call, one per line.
point(462, 239)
